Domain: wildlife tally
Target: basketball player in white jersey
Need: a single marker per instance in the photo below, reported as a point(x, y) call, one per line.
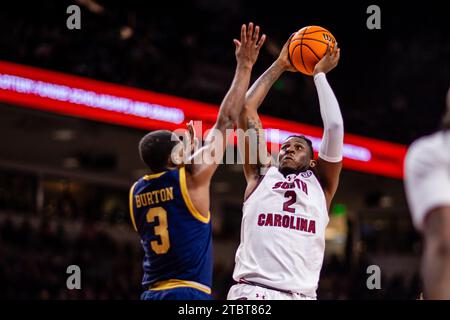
point(427, 186)
point(285, 210)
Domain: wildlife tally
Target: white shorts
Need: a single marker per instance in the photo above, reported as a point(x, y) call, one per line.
point(242, 291)
point(427, 175)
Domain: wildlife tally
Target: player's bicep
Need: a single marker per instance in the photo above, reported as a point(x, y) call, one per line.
point(329, 173)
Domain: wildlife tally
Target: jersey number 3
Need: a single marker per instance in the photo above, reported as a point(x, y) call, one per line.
point(162, 246)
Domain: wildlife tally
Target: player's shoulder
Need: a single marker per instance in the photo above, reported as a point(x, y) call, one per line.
point(149, 178)
point(431, 142)
point(163, 174)
point(424, 150)
point(270, 170)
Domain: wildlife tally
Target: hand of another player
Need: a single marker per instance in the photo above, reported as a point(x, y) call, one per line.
point(192, 136)
point(283, 58)
point(247, 49)
point(329, 60)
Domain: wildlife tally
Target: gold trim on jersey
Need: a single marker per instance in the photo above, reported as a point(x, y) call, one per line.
point(153, 176)
point(131, 206)
point(187, 198)
point(175, 283)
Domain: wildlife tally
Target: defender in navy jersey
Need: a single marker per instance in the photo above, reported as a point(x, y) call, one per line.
point(176, 237)
point(170, 207)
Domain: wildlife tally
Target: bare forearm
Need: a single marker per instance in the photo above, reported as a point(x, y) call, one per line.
point(246, 51)
point(234, 100)
point(436, 259)
point(436, 274)
point(230, 109)
point(252, 144)
point(258, 91)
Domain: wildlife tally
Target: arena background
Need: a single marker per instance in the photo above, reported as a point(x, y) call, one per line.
point(65, 175)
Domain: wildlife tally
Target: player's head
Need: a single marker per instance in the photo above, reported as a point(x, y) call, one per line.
point(157, 150)
point(446, 120)
point(296, 155)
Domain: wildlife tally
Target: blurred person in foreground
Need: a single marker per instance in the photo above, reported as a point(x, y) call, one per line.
point(427, 186)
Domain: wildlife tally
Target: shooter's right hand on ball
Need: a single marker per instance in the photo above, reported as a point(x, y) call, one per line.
point(247, 49)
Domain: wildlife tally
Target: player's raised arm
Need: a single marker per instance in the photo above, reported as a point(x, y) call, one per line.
point(329, 164)
point(247, 50)
point(258, 91)
point(249, 118)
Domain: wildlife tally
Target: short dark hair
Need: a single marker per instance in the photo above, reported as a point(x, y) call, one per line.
point(155, 148)
point(309, 142)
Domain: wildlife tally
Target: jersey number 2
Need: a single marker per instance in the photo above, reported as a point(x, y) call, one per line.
point(160, 230)
point(293, 198)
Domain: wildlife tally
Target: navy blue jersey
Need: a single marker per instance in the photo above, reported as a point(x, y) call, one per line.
point(176, 238)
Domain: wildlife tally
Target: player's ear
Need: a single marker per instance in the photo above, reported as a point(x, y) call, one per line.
point(312, 163)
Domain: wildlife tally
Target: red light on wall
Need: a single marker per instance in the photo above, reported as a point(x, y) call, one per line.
point(56, 92)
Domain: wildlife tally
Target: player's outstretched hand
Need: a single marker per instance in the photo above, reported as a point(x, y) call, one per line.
point(329, 60)
point(247, 49)
point(283, 58)
point(193, 140)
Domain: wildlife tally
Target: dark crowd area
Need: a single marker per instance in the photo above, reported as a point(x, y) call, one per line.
point(35, 260)
point(391, 83)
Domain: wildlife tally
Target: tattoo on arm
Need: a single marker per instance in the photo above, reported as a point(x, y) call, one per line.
point(254, 98)
point(261, 87)
point(255, 125)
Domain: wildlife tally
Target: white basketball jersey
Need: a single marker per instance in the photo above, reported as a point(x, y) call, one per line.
point(427, 175)
point(283, 233)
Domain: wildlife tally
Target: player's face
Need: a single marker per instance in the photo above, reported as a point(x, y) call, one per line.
point(294, 155)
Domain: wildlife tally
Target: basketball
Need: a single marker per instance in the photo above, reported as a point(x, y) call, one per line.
point(308, 46)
